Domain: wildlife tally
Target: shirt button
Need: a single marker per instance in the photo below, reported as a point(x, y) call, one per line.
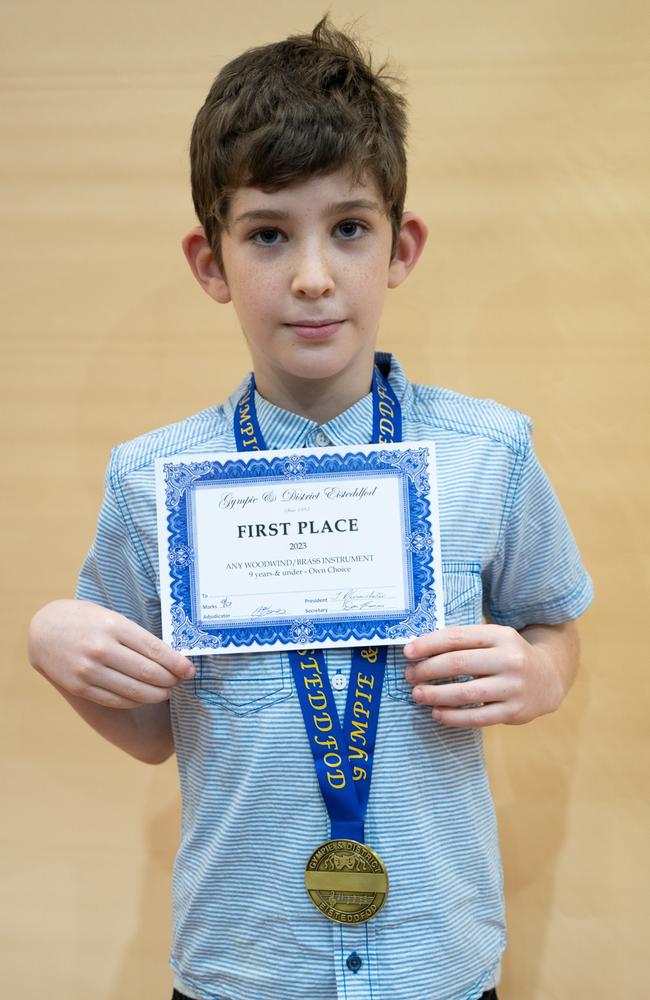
point(354, 962)
point(339, 682)
point(322, 439)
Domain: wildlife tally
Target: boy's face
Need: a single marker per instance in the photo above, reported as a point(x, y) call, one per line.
point(307, 268)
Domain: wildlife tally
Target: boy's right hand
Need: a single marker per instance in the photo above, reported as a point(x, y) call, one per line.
point(103, 657)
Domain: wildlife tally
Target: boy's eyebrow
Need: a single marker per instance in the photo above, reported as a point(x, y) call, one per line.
point(333, 209)
point(352, 203)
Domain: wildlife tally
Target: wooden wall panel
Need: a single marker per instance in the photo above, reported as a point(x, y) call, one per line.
point(529, 161)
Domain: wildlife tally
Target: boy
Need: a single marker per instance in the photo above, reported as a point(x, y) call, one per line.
point(298, 178)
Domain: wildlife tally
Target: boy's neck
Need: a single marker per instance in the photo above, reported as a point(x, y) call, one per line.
point(319, 400)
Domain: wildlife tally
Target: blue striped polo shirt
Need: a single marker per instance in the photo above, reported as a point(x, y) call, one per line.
point(244, 927)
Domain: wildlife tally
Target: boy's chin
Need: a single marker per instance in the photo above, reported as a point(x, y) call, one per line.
point(330, 376)
point(330, 362)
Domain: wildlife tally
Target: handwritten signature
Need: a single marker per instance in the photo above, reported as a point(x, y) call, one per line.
point(264, 611)
point(361, 599)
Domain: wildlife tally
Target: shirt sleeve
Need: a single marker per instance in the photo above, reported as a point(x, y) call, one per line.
point(116, 573)
point(537, 576)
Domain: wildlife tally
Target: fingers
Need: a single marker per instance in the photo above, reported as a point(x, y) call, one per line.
point(125, 666)
point(138, 668)
point(92, 652)
point(445, 666)
point(108, 699)
point(460, 637)
point(470, 718)
point(464, 693)
point(153, 649)
point(128, 689)
point(469, 704)
point(484, 668)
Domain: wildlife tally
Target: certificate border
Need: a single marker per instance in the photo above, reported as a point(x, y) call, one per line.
point(182, 476)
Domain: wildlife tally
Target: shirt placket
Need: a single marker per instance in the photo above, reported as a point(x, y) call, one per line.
point(355, 958)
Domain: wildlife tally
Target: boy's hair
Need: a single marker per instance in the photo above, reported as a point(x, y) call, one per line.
point(290, 110)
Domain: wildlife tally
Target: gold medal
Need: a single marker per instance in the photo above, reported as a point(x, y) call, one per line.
point(347, 881)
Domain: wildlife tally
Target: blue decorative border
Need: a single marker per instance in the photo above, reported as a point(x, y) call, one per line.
point(410, 465)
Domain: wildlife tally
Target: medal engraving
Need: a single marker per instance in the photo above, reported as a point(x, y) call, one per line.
point(347, 881)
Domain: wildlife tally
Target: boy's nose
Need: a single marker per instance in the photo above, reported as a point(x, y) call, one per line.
point(312, 277)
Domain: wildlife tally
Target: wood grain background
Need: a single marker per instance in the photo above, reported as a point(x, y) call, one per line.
point(530, 163)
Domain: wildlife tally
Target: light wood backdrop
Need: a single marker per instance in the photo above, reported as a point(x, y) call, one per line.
point(529, 160)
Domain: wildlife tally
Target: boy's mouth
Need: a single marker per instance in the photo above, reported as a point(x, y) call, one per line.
point(315, 329)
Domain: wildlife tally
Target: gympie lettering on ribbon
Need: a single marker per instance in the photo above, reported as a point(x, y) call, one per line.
point(343, 754)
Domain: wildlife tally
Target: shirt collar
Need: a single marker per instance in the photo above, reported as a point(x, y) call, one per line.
point(283, 429)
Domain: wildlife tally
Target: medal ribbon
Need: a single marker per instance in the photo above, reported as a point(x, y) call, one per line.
point(343, 754)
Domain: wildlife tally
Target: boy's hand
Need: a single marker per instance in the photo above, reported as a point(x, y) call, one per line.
point(516, 676)
point(103, 657)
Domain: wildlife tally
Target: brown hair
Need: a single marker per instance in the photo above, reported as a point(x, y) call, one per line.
point(308, 105)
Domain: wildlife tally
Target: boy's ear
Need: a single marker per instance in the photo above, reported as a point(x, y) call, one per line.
point(410, 244)
point(204, 267)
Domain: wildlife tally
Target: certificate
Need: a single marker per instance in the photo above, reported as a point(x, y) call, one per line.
point(299, 548)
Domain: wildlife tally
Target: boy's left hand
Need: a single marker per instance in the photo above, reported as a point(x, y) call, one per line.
point(516, 676)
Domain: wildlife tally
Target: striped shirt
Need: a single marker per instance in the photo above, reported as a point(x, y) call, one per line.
point(244, 927)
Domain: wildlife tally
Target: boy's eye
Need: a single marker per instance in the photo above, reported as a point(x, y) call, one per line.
point(267, 237)
point(350, 229)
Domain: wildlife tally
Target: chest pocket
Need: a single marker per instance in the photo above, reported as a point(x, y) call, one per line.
point(243, 684)
point(463, 593)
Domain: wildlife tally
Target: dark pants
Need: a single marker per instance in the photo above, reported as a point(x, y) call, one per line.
point(490, 995)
